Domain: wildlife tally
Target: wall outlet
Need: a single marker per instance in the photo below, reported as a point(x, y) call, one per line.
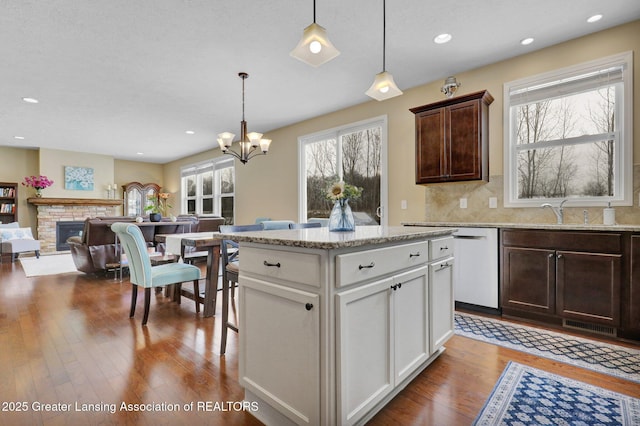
point(463, 203)
point(493, 202)
point(403, 204)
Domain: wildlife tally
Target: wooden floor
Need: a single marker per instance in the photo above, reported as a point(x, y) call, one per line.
point(67, 339)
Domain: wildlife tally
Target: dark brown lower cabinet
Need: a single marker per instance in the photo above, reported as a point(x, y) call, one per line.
point(588, 287)
point(559, 276)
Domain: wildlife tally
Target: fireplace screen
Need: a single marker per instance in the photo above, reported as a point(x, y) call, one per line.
point(67, 229)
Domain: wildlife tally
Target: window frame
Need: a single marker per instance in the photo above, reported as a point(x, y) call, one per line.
point(336, 133)
point(623, 151)
point(199, 169)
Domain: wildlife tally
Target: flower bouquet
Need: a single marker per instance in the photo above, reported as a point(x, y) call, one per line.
point(341, 218)
point(38, 183)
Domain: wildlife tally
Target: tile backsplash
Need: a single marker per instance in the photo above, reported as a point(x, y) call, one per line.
point(443, 204)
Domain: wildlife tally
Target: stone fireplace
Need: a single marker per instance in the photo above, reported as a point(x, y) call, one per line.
point(54, 210)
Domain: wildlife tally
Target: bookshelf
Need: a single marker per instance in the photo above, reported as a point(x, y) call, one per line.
point(8, 202)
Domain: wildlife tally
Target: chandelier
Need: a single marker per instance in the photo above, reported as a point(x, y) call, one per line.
point(251, 144)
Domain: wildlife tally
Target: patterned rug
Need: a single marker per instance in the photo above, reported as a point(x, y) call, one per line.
point(601, 357)
point(527, 396)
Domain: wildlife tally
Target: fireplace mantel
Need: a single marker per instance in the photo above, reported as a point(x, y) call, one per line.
point(73, 201)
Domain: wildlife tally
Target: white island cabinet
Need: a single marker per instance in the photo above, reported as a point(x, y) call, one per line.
point(334, 325)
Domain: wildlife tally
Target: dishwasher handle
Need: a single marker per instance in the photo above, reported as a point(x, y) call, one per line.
point(470, 237)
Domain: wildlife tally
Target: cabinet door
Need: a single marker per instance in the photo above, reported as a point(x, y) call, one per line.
point(464, 147)
point(364, 360)
point(280, 347)
point(588, 287)
point(441, 303)
point(410, 321)
point(430, 146)
point(632, 303)
point(528, 281)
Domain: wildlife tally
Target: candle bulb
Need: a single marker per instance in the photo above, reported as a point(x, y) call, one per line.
point(109, 187)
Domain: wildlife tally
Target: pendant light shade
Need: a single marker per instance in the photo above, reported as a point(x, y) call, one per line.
point(314, 48)
point(383, 87)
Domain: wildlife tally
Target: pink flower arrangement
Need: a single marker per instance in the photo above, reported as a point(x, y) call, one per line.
point(37, 182)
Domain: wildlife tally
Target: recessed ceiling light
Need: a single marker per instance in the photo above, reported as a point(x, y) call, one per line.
point(139, 153)
point(526, 41)
point(30, 100)
point(594, 18)
point(442, 38)
point(19, 137)
point(190, 132)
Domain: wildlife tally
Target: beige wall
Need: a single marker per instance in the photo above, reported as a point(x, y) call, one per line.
point(267, 186)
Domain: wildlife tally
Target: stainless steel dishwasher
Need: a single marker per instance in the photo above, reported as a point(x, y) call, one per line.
point(476, 272)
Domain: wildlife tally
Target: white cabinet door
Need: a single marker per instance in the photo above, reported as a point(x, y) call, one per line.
point(410, 321)
point(364, 356)
point(280, 348)
point(441, 312)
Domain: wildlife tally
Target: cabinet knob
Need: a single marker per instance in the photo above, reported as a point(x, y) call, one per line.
point(550, 255)
point(371, 265)
point(277, 265)
point(397, 286)
point(559, 256)
point(308, 306)
point(444, 265)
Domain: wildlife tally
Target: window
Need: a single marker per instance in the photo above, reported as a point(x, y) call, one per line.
point(208, 188)
point(568, 135)
point(355, 153)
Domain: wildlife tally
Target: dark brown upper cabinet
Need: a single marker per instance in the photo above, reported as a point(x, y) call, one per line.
point(452, 139)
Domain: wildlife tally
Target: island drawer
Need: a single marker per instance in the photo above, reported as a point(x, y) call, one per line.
point(303, 268)
point(440, 247)
point(352, 268)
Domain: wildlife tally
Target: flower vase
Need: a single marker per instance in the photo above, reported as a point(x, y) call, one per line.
point(155, 217)
point(38, 192)
point(341, 217)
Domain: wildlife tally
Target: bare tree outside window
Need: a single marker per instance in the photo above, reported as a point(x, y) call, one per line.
point(354, 157)
point(568, 135)
point(559, 154)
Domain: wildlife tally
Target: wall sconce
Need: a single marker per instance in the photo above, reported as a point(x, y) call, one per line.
point(450, 87)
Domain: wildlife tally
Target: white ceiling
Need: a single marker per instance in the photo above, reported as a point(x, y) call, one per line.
point(119, 77)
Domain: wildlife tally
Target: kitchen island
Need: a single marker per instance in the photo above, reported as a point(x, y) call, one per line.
point(333, 325)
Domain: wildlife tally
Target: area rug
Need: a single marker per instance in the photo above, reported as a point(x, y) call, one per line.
point(527, 396)
point(47, 265)
point(604, 358)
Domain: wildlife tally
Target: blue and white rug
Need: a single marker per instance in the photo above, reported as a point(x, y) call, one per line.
point(604, 358)
point(527, 396)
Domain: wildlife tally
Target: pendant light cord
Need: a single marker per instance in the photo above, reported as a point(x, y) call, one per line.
point(384, 35)
point(314, 11)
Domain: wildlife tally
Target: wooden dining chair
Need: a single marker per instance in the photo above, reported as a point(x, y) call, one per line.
point(142, 273)
point(230, 253)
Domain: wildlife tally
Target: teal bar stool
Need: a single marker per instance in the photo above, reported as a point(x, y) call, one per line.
point(142, 274)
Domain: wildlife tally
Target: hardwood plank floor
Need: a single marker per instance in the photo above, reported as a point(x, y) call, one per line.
point(67, 339)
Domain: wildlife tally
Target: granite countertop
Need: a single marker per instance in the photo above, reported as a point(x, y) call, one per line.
point(548, 226)
point(321, 238)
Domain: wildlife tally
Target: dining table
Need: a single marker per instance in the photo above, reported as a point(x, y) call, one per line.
point(207, 242)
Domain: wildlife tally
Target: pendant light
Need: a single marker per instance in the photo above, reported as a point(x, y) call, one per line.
point(314, 48)
point(249, 142)
point(383, 86)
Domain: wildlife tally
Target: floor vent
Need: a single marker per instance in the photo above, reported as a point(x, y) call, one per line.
point(594, 328)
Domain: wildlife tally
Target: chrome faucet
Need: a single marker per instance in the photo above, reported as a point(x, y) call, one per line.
point(557, 210)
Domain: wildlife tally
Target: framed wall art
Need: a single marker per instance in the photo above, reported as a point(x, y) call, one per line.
point(78, 178)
